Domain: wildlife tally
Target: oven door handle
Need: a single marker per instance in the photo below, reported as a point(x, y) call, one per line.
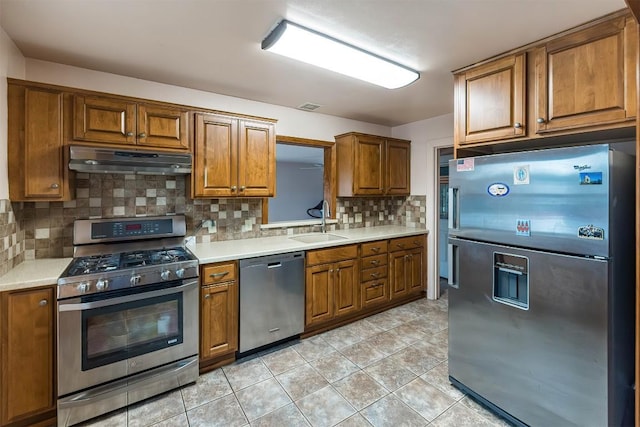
point(128, 298)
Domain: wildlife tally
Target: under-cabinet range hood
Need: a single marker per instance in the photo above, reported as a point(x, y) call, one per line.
point(107, 160)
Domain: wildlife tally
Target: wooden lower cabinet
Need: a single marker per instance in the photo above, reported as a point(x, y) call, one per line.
point(346, 283)
point(218, 313)
point(27, 362)
point(331, 288)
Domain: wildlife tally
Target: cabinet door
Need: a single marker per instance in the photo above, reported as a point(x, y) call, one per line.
point(162, 127)
point(215, 165)
point(587, 78)
point(398, 280)
point(27, 362)
point(319, 294)
point(346, 287)
point(107, 120)
point(415, 271)
point(256, 159)
point(36, 160)
point(219, 329)
point(398, 174)
point(369, 168)
point(490, 101)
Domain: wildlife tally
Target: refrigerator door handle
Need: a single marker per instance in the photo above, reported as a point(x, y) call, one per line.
point(454, 211)
point(452, 265)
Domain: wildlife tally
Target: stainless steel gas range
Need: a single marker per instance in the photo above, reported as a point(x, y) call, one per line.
point(127, 315)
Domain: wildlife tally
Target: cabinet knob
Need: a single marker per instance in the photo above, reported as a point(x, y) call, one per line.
point(517, 125)
point(55, 186)
point(375, 262)
point(375, 275)
point(242, 187)
point(129, 133)
point(207, 296)
point(43, 302)
point(540, 120)
point(234, 188)
point(142, 135)
point(376, 249)
point(400, 245)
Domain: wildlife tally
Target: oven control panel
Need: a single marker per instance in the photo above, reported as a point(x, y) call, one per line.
point(131, 228)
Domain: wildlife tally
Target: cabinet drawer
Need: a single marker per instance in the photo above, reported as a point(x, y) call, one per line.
point(217, 273)
point(403, 243)
point(373, 273)
point(373, 261)
point(374, 248)
point(375, 292)
point(324, 256)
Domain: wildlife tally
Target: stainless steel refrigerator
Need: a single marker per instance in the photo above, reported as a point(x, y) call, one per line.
point(541, 296)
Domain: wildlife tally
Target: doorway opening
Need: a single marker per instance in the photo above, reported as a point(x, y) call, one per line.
point(444, 155)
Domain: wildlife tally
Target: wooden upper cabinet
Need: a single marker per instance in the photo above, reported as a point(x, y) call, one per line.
point(126, 122)
point(587, 78)
point(27, 348)
point(234, 157)
point(490, 101)
point(256, 159)
point(370, 165)
point(36, 148)
point(398, 175)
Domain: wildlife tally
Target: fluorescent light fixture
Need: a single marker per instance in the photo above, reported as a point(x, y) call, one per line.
point(314, 48)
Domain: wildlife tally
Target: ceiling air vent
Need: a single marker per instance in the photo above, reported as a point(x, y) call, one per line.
point(308, 106)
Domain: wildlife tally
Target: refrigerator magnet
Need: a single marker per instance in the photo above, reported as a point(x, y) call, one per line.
point(465, 165)
point(590, 178)
point(498, 189)
point(521, 175)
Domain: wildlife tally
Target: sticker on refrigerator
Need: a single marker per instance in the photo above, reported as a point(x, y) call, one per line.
point(591, 232)
point(498, 189)
point(590, 178)
point(523, 227)
point(465, 165)
point(521, 175)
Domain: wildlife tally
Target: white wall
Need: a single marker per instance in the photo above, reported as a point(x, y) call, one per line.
point(12, 64)
point(291, 122)
point(426, 136)
point(299, 187)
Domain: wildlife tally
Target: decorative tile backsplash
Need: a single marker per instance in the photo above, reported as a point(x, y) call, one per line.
point(31, 230)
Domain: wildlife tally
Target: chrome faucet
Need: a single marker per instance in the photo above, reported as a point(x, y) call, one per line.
point(325, 213)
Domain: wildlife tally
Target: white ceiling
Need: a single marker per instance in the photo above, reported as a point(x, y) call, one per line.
point(214, 45)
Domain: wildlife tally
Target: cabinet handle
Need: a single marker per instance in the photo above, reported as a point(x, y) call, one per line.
point(218, 275)
point(242, 187)
point(43, 302)
point(375, 262)
point(400, 245)
point(233, 188)
point(55, 186)
point(540, 120)
point(129, 133)
point(415, 242)
point(337, 270)
point(142, 135)
point(376, 250)
point(517, 125)
point(207, 296)
point(375, 275)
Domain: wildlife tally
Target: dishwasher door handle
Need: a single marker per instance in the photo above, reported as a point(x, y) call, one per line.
point(274, 265)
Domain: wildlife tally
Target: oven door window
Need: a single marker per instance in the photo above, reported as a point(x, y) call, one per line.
point(122, 331)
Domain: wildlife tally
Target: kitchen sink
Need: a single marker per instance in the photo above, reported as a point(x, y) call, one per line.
point(316, 238)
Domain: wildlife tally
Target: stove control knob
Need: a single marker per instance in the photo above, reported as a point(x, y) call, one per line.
point(135, 280)
point(102, 284)
point(180, 273)
point(82, 287)
point(164, 275)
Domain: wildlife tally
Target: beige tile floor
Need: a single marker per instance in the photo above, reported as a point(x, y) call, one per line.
point(389, 369)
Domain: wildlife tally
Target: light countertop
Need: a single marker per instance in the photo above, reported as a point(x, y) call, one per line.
point(42, 272)
point(30, 274)
point(249, 248)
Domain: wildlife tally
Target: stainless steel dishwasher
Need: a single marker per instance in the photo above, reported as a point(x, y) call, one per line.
point(271, 299)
